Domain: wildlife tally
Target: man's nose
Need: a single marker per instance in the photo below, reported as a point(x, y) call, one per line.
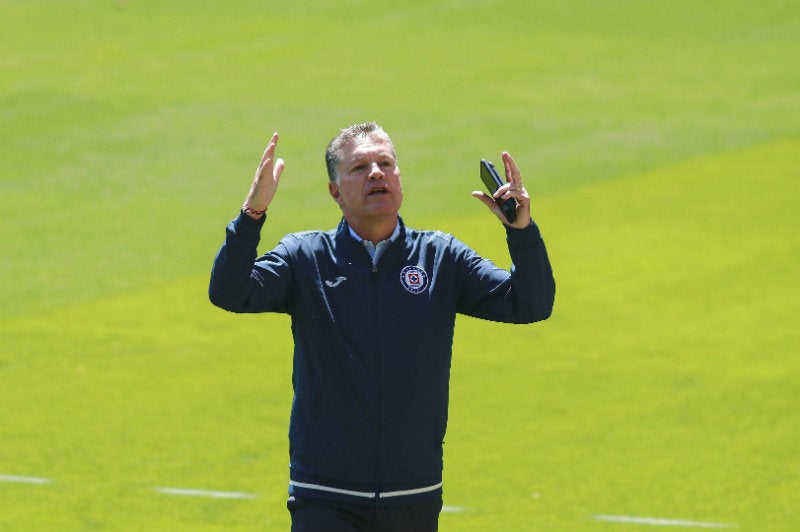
point(375, 171)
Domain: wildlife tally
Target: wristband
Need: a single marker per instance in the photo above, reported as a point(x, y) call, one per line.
point(248, 209)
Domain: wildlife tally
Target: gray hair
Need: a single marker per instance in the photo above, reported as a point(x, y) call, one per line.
point(333, 154)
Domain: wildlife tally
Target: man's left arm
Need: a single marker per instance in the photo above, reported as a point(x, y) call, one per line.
point(527, 292)
point(522, 294)
point(532, 282)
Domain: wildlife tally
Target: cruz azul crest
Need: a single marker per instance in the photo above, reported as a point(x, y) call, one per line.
point(414, 279)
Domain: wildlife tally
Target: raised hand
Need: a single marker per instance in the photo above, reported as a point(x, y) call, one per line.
point(265, 182)
point(512, 189)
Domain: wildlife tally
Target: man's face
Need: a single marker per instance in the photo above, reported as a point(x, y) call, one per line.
point(369, 180)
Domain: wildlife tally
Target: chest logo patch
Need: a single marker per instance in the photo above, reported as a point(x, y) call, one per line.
point(414, 279)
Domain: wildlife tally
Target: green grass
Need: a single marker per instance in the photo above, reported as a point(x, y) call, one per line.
point(660, 140)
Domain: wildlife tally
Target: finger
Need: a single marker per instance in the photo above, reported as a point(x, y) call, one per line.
point(265, 167)
point(512, 170)
point(506, 191)
point(510, 186)
point(269, 152)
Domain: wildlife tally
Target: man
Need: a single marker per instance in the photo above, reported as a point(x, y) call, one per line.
point(373, 305)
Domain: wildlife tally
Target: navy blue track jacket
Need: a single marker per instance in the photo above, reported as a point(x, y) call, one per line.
point(373, 344)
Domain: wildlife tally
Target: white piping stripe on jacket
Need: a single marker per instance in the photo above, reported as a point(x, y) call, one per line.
point(365, 494)
point(409, 492)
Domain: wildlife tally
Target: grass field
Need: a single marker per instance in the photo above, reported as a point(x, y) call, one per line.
point(661, 142)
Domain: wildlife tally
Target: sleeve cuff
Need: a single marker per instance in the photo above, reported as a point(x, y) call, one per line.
point(247, 227)
point(529, 236)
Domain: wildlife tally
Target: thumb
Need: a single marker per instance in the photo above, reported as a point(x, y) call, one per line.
point(485, 198)
point(278, 169)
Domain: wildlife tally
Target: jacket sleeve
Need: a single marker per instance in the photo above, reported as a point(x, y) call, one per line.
point(240, 282)
point(522, 295)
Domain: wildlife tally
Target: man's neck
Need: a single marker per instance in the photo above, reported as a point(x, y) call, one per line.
point(374, 230)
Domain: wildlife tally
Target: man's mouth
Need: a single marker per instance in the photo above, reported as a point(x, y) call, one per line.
point(377, 191)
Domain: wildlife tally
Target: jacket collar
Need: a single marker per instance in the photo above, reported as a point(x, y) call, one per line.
point(344, 238)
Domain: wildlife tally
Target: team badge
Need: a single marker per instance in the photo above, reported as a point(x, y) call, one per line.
point(414, 279)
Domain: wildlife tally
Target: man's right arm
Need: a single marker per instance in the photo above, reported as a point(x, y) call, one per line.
point(239, 282)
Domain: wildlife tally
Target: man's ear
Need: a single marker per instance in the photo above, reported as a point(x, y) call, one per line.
point(333, 188)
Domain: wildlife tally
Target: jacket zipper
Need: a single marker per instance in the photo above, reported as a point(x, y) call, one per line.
point(378, 387)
